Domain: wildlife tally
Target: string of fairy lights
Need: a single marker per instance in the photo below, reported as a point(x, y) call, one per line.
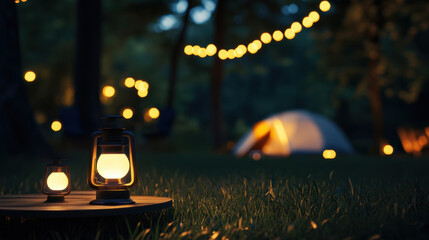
point(20, 1)
point(265, 38)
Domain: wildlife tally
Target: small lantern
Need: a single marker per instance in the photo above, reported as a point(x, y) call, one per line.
point(112, 168)
point(56, 182)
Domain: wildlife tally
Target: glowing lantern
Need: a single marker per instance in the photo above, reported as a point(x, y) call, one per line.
point(153, 113)
point(388, 149)
point(329, 154)
point(112, 167)
point(129, 82)
point(266, 38)
point(314, 16)
point(211, 49)
point(278, 35)
point(30, 76)
point(109, 91)
point(188, 50)
point(306, 22)
point(296, 27)
point(289, 34)
point(223, 54)
point(56, 182)
point(127, 113)
point(56, 126)
point(324, 6)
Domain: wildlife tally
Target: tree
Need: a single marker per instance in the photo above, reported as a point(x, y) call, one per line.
point(216, 81)
point(87, 64)
point(18, 129)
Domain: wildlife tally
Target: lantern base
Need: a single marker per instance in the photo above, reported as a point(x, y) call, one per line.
point(55, 199)
point(112, 197)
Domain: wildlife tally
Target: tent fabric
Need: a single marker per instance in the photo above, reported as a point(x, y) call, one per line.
point(291, 132)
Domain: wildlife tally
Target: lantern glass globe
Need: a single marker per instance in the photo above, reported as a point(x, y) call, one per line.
point(113, 166)
point(57, 181)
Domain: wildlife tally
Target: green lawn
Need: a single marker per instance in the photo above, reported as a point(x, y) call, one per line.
point(219, 196)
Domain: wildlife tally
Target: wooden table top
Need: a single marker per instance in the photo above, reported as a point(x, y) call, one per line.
point(76, 205)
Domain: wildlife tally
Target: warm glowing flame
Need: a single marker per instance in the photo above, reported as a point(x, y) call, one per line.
point(113, 166)
point(296, 27)
point(266, 38)
point(329, 154)
point(289, 34)
point(56, 126)
point(57, 181)
point(30, 76)
point(153, 113)
point(388, 149)
point(129, 82)
point(324, 6)
point(127, 113)
point(278, 35)
point(108, 91)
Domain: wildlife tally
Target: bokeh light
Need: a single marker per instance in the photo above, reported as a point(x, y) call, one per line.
point(153, 113)
point(129, 82)
point(258, 44)
point(127, 113)
point(231, 54)
point(203, 53)
point(314, 16)
point(188, 50)
point(252, 48)
point(142, 93)
point(289, 34)
point(140, 84)
point(296, 27)
point(388, 149)
point(211, 49)
point(306, 22)
point(329, 154)
point(56, 126)
point(266, 38)
point(196, 50)
point(30, 76)
point(109, 91)
point(223, 54)
point(324, 6)
point(240, 50)
point(277, 35)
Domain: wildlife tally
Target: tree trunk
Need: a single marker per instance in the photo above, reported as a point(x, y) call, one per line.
point(216, 83)
point(178, 49)
point(87, 65)
point(18, 130)
point(374, 76)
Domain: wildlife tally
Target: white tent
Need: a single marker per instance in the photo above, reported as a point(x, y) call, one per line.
point(290, 132)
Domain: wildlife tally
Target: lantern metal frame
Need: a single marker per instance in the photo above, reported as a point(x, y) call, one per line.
point(56, 195)
point(112, 191)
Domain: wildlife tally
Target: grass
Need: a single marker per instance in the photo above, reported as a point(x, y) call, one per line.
point(221, 197)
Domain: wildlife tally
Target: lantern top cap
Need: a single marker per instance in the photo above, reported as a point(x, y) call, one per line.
point(111, 122)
